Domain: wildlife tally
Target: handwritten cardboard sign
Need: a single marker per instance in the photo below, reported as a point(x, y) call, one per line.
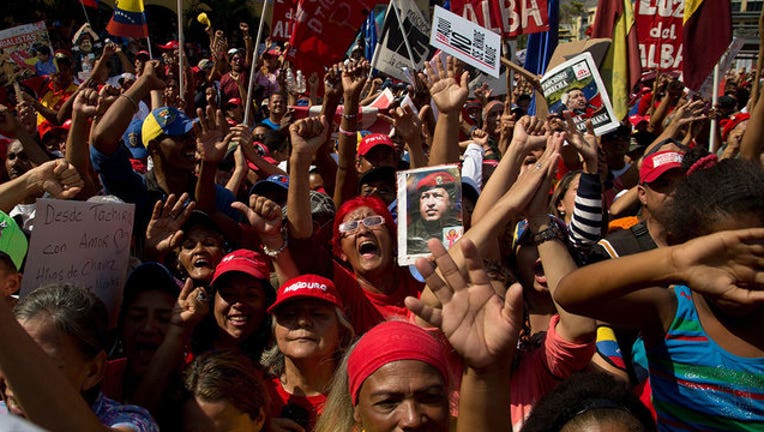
point(465, 40)
point(84, 243)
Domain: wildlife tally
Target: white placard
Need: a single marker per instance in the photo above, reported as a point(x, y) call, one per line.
point(84, 243)
point(465, 40)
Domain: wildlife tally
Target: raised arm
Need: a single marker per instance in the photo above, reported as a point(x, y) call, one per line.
point(448, 88)
point(109, 130)
point(57, 177)
point(10, 126)
point(307, 135)
point(353, 79)
point(752, 147)
point(77, 153)
point(408, 126)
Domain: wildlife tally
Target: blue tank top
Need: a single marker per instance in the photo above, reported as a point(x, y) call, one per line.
point(697, 385)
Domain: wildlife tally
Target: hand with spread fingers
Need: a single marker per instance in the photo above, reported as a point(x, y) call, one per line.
point(163, 232)
point(447, 86)
point(212, 137)
point(481, 326)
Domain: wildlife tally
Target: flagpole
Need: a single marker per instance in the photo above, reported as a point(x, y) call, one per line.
point(84, 9)
point(148, 43)
point(181, 78)
point(714, 102)
point(250, 85)
point(403, 33)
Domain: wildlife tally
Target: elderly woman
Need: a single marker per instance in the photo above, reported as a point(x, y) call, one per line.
point(61, 329)
point(396, 377)
point(311, 334)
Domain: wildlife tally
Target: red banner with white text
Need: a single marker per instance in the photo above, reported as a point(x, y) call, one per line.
point(659, 29)
point(283, 19)
point(509, 18)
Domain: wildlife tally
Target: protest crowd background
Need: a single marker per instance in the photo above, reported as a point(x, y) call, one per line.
point(360, 215)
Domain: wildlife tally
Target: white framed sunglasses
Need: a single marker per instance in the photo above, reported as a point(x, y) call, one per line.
point(369, 222)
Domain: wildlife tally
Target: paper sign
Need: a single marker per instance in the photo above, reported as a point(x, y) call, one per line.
point(575, 86)
point(17, 56)
point(391, 54)
point(84, 243)
point(466, 41)
point(429, 206)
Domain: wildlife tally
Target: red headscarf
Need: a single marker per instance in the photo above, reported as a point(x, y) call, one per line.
point(392, 341)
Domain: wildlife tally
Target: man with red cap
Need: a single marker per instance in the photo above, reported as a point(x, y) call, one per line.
point(436, 193)
point(375, 150)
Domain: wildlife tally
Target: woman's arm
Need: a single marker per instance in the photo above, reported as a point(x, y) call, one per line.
point(449, 92)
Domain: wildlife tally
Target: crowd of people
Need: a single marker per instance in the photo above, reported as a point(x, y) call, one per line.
point(606, 282)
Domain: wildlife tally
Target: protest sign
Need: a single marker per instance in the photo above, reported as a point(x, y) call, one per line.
point(85, 243)
point(659, 29)
point(575, 86)
point(509, 18)
point(17, 55)
point(392, 55)
point(466, 41)
point(282, 19)
point(430, 206)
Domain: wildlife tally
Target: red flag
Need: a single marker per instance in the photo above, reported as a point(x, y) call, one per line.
point(283, 19)
point(323, 30)
point(90, 3)
point(707, 34)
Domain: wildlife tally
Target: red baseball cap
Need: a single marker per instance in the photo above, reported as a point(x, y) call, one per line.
point(372, 140)
point(305, 287)
point(245, 261)
point(171, 45)
point(47, 127)
point(656, 164)
point(143, 53)
point(436, 179)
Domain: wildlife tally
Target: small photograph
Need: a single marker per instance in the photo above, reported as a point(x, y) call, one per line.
point(432, 199)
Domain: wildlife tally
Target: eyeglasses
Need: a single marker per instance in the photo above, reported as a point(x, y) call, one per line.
point(369, 222)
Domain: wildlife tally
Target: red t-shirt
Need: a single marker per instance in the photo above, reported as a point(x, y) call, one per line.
point(300, 407)
point(366, 309)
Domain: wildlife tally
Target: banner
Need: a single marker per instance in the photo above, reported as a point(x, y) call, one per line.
point(283, 19)
point(576, 87)
point(17, 55)
point(659, 29)
point(391, 53)
point(466, 41)
point(85, 243)
point(323, 30)
point(509, 18)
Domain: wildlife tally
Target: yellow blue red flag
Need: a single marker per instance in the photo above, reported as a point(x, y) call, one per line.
point(128, 20)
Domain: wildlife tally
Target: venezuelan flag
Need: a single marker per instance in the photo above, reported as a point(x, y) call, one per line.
point(621, 68)
point(707, 34)
point(128, 20)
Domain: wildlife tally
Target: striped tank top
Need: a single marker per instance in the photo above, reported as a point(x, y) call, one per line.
point(697, 385)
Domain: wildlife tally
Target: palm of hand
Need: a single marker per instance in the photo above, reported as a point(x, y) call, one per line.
point(448, 94)
point(212, 146)
point(476, 326)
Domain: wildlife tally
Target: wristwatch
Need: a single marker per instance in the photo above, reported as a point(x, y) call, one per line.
point(555, 230)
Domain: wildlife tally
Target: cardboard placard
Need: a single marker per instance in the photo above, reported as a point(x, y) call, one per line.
point(17, 56)
point(391, 54)
point(429, 206)
point(467, 41)
point(575, 86)
point(84, 243)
